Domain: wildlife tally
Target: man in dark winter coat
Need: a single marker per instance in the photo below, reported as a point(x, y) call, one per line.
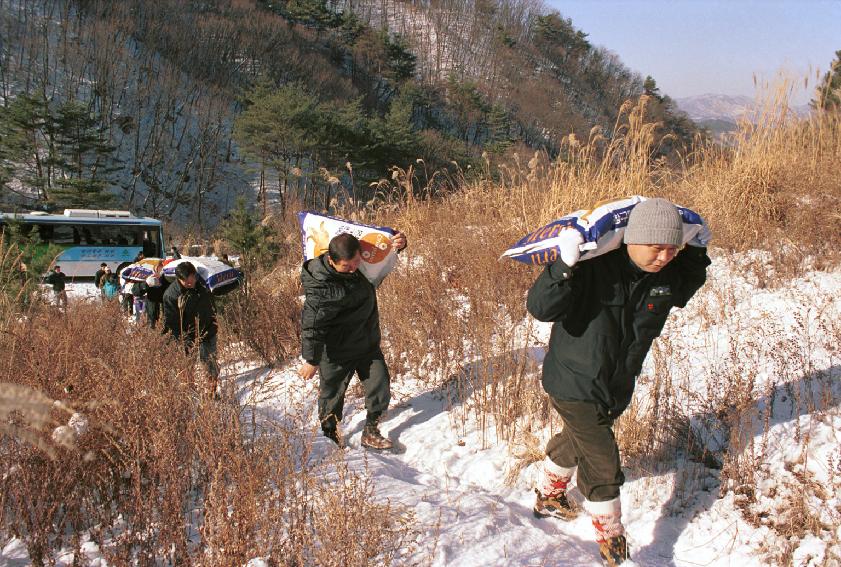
point(340, 327)
point(606, 313)
point(58, 280)
point(190, 316)
point(156, 286)
point(97, 280)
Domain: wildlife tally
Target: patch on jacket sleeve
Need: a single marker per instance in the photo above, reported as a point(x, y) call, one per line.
point(660, 291)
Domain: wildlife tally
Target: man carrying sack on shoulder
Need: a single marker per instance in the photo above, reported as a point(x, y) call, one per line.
point(340, 330)
point(606, 313)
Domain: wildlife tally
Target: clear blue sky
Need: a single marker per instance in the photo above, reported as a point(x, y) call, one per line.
point(694, 47)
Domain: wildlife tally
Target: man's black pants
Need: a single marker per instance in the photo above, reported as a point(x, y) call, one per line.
point(153, 312)
point(334, 378)
point(587, 442)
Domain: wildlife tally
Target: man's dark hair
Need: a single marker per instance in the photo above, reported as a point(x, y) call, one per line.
point(184, 270)
point(343, 247)
point(103, 265)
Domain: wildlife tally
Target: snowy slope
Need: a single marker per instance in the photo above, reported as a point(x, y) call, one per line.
point(726, 107)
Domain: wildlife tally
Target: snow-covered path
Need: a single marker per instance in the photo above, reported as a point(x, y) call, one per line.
point(467, 515)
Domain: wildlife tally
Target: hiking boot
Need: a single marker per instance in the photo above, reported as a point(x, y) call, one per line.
point(373, 439)
point(557, 506)
point(333, 435)
point(614, 551)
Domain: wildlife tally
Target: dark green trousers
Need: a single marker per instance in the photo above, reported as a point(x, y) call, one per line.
point(333, 381)
point(587, 442)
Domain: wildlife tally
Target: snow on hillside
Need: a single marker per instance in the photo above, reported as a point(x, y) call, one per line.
point(468, 515)
point(451, 479)
point(173, 156)
point(716, 106)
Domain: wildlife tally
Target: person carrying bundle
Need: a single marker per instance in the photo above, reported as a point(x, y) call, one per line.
point(340, 331)
point(189, 315)
point(606, 311)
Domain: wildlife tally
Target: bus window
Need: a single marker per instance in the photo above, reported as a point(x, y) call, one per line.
point(151, 246)
point(65, 234)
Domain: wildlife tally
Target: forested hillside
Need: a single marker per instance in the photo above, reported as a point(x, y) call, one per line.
point(174, 108)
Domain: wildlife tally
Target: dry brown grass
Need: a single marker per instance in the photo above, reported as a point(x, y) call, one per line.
point(160, 473)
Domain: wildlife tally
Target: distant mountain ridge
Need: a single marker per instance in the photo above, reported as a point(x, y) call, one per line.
point(716, 106)
point(731, 108)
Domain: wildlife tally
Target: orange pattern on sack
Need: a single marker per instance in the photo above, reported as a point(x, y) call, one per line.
point(375, 247)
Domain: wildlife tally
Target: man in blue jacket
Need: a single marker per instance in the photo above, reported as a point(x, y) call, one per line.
point(606, 313)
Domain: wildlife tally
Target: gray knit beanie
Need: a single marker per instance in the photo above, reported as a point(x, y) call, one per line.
point(654, 221)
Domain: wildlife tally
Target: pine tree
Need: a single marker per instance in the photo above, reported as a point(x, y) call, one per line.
point(311, 13)
point(24, 139)
point(393, 139)
point(249, 238)
point(83, 157)
point(828, 94)
point(649, 87)
point(278, 129)
point(59, 153)
point(499, 130)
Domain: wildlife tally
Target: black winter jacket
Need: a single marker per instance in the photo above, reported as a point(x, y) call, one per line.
point(57, 280)
point(607, 312)
point(340, 320)
point(189, 313)
point(156, 294)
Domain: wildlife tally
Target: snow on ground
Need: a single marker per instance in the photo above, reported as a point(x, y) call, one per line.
point(452, 479)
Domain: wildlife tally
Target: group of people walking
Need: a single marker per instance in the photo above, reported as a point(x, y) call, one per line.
point(605, 314)
point(185, 308)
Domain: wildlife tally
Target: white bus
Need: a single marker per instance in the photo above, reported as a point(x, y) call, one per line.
point(90, 237)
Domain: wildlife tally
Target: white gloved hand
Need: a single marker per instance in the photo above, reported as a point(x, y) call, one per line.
point(569, 243)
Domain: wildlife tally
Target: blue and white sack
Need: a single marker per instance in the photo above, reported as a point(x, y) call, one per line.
point(602, 228)
point(218, 277)
point(379, 256)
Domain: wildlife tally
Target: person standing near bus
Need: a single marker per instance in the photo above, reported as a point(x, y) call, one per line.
point(58, 280)
point(97, 280)
point(108, 284)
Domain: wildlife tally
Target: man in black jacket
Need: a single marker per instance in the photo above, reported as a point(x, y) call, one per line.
point(97, 280)
point(190, 316)
point(156, 286)
point(606, 313)
point(340, 329)
point(58, 280)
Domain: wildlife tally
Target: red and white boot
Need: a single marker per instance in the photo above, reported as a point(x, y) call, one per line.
point(552, 493)
point(610, 533)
